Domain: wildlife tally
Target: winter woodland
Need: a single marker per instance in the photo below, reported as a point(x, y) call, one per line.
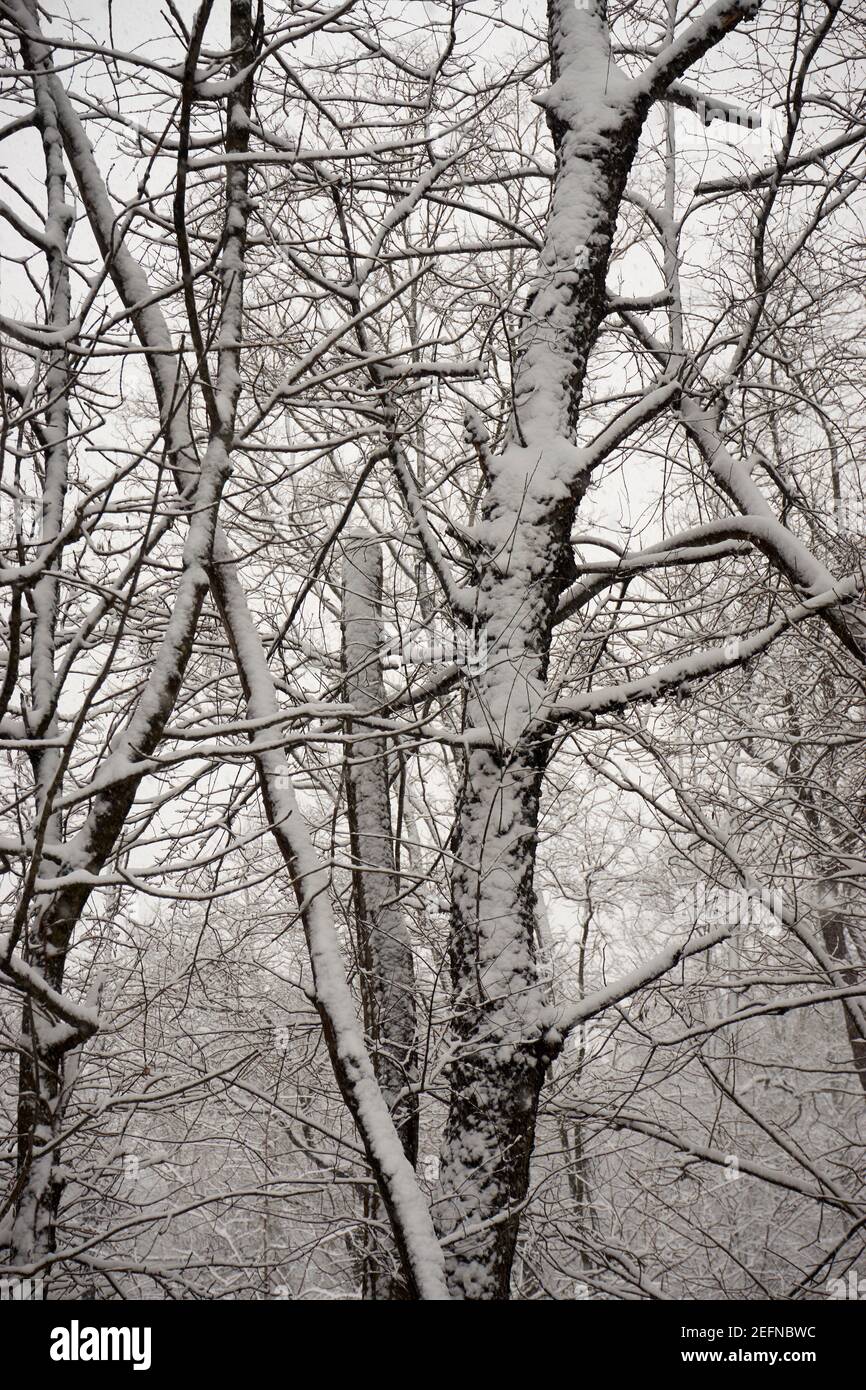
point(433, 649)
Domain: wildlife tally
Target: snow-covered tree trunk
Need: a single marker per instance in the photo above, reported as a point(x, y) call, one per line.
point(501, 1044)
point(40, 1092)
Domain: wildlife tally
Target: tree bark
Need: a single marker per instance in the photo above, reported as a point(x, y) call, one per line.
point(41, 1064)
point(384, 945)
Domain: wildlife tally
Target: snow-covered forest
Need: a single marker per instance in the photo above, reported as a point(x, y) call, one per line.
point(433, 649)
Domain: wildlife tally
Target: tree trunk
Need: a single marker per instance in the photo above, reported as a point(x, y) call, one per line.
point(383, 941)
point(40, 1079)
point(501, 1043)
